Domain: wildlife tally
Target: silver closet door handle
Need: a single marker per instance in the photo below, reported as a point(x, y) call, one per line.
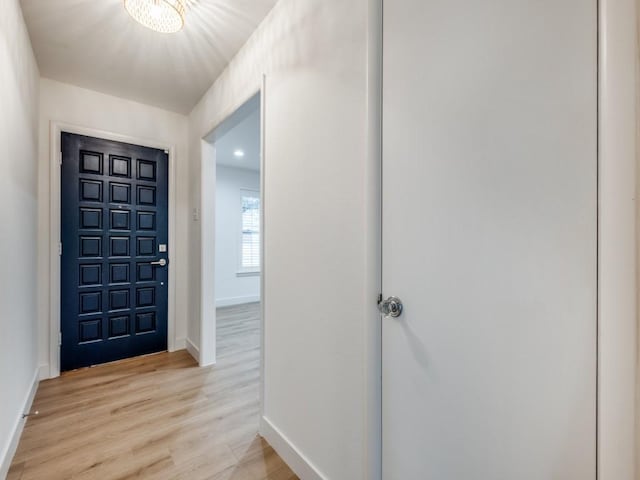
point(160, 263)
point(391, 307)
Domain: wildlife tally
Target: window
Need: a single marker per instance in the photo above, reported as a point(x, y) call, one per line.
point(250, 234)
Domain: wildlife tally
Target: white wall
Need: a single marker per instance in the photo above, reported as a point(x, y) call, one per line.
point(18, 212)
point(314, 55)
point(231, 289)
point(85, 108)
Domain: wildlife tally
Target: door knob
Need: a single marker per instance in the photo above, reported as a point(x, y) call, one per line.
point(391, 307)
point(160, 263)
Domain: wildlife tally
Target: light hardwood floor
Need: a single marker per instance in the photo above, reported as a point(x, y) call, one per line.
point(156, 417)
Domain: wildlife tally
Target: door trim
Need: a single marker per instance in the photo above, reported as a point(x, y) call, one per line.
point(617, 240)
point(55, 130)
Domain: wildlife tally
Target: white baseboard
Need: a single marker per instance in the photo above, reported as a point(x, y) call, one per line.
point(179, 344)
point(45, 373)
point(301, 466)
point(229, 302)
point(11, 447)
point(193, 350)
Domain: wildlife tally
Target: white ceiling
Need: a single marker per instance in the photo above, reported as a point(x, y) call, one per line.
point(240, 132)
point(96, 44)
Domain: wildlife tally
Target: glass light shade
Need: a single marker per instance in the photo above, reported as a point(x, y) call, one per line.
point(164, 16)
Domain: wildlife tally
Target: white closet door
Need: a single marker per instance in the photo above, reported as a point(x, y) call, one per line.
point(489, 239)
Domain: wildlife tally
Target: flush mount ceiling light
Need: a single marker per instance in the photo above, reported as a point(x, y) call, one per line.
point(164, 16)
point(238, 153)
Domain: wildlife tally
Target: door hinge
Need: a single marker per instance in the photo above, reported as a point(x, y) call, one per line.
point(60, 248)
point(60, 159)
point(59, 339)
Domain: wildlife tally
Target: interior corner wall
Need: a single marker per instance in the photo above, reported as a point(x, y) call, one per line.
point(231, 288)
point(314, 57)
point(18, 211)
point(80, 107)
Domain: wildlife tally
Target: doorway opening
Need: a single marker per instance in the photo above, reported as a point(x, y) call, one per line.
point(237, 232)
point(232, 224)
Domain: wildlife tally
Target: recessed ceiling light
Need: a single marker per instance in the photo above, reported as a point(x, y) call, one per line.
point(238, 153)
point(164, 16)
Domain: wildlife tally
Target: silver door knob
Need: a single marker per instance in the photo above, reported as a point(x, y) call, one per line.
point(160, 263)
point(391, 307)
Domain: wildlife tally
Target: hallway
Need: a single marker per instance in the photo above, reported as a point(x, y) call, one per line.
point(435, 203)
point(158, 416)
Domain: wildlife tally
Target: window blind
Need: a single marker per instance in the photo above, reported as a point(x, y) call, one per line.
point(250, 248)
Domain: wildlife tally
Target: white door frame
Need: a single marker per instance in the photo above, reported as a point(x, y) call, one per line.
point(55, 158)
point(618, 210)
point(617, 241)
point(206, 351)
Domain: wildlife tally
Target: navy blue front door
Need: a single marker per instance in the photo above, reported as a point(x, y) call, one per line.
point(114, 226)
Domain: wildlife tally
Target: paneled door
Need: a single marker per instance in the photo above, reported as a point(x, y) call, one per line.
point(114, 248)
point(490, 230)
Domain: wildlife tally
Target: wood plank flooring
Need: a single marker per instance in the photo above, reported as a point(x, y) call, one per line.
point(156, 417)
